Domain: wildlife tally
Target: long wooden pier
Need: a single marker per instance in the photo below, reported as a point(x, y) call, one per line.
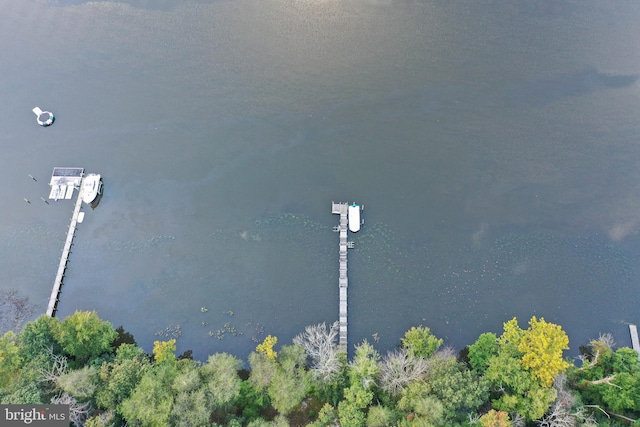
point(342, 209)
point(635, 343)
point(64, 259)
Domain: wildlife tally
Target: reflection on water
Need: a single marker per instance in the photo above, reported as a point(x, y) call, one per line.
point(543, 92)
point(494, 148)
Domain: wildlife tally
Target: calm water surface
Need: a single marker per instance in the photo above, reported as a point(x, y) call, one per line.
point(495, 145)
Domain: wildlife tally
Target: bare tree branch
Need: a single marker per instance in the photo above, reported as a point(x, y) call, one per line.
point(607, 340)
point(599, 408)
point(398, 369)
point(473, 418)
point(446, 352)
point(57, 368)
point(608, 414)
point(562, 412)
point(321, 347)
point(606, 380)
point(517, 420)
point(78, 412)
point(586, 363)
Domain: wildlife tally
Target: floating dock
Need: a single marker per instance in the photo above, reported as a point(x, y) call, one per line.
point(342, 209)
point(44, 118)
point(65, 180)
point(635, 343)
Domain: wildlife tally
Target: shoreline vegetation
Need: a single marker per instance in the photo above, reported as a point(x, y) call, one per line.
point(518, 378)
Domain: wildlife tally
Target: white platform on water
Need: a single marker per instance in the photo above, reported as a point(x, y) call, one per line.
point(635, 343)
point(63, 181)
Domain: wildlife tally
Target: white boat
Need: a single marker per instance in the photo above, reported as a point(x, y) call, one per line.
point(354, 217)
point(91, 187)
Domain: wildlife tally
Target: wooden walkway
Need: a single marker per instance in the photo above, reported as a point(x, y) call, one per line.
point(635, 343)
point(57, 285)
point(342, 209)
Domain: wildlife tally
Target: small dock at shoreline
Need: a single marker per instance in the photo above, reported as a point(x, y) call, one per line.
point(63, 183)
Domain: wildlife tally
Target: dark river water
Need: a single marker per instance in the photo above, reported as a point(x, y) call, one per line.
point(495, 146)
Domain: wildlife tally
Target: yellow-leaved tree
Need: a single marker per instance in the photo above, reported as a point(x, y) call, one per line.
point(164, 351)
point(495, 418)
point(266, 347)
point(542, 346)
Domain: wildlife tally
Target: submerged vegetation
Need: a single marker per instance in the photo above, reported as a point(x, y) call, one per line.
point(517, 378)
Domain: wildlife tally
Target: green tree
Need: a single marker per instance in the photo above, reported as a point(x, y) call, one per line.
point(119, 378)
point(421, 406)
point(80, 383)
point(22, 392)
point(278, 421)
point(164, 351)
point(190, 409)
point(609, 379)
point(220, 379)
point(485, 347)
point(511, 337)
point(10, 360)
point(420, 342)
point(251, 401)
point(38, 338)
point(356, 399)
point(151, 401)
point(129, 351)
point(189, 378)
point(460, 390)
point(622, 393)
point(625, 359)
point(262, 370)
point(365, 368)
point(350, 415)
point(104, 419)
point(290, 382)
point(328, 416)
point(380, 416)
point(285, 379)
point(83, 335)
point(524, 367)
point(519, 391)
point(23, 377)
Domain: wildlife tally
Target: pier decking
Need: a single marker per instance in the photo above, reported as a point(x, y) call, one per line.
point(57, 284)
point(63, 182)
point(343, 282)
point(635, 343)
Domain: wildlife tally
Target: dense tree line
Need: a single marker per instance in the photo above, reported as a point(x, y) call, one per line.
point(519, 378)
